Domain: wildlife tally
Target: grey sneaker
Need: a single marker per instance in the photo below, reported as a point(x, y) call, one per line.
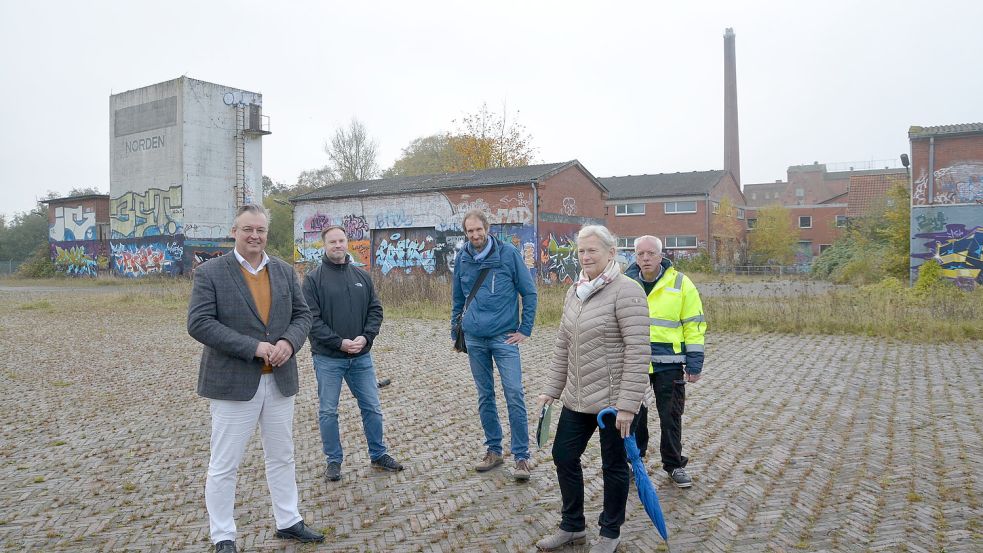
point(561, 538)
point(605, 545)
point(522, 470)
point(490, 461)
point(680, 478)
point(334, 472)
point(387, 463)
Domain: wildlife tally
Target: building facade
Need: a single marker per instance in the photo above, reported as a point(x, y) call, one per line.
point(682, 209)
point(184, 155)
point(78, 234)
point(947, 200)
point(411, 226)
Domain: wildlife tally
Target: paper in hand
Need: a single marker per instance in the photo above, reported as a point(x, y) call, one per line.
point(543, 428)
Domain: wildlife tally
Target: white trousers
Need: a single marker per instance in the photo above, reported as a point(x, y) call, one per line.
point(233, 424)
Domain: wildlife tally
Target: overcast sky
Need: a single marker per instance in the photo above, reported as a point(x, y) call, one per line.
point(625, 87)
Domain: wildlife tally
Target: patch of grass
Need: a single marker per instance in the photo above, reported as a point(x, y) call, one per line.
point(61, 383)
point(129, 487)
point(914, 497)
point(38, 479)
point(43, 305)
point(58, 443)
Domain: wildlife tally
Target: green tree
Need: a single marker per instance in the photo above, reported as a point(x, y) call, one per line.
point(728, 233)
point(280, 240)
point(773, 239)
point(24, 234)
point(896, 232)
point(353, 153)
point(426, 155)
point(315, 178)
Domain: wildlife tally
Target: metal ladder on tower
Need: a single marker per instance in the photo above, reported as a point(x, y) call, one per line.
point(239, 189)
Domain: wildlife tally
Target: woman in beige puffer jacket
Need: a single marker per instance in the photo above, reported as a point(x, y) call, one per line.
point(601, 359)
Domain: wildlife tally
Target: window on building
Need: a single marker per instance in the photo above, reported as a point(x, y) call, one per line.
point(674, 242)
point(629, 209)
point(680, 207)
point(627, 242)
point(767, 195)
point(800, 192)
point(102, 231)
point(751, 222)
point(716, 207)
point(841, 220)
point(740, 213)
point(824, 247)
point(805, 221)
point(754, 195)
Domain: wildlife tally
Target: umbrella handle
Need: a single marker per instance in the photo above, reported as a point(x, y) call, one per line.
point(605, 411)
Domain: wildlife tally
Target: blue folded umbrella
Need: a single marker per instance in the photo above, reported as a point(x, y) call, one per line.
point(646, 490)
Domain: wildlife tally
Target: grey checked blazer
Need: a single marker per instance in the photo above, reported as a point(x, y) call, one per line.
point(223, 316)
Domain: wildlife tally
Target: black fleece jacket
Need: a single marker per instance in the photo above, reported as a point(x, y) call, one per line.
point(343, 304)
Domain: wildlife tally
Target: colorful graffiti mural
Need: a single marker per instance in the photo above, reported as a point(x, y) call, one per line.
point(75, 260)
point(409, 250)
point(156, 212)
point(961, 183)
point(73, 223)
point(141, 257)
point(959, 250)
point(559, 260)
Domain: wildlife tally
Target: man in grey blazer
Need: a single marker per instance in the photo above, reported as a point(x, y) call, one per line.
point(248, 310)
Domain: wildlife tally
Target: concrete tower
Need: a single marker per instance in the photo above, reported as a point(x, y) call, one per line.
point(732, 144)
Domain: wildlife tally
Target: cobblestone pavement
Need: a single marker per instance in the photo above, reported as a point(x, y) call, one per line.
point(796, 443)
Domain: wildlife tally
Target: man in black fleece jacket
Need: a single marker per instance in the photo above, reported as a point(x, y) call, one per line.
point(347, 315)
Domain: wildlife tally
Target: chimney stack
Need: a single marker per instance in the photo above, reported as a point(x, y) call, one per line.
point(732, 147)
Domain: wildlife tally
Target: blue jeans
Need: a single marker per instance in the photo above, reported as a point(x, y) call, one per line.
point(359, 373)
point(481, 352)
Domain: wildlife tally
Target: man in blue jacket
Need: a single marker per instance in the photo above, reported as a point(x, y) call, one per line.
point(346, 317)
point(493, 330)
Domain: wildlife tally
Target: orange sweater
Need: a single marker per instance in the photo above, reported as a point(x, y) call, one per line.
point(259, 286)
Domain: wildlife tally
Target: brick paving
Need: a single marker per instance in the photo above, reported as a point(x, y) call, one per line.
point(797, 444)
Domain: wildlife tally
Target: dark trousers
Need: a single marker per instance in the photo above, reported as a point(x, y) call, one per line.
point(670, 400)
point(573, 433)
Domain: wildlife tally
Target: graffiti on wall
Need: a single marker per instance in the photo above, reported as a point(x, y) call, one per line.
point(202, 231)
point(958, 250)
point(199, 256)
point(73, 223)
point(407, 250)
point(155, 212)
point(961, 183)
point(141, 257)
point(393, 218)
point(559, 259)
point(569, 206)
point(78, 259)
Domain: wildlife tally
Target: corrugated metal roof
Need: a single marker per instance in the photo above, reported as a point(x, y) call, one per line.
point(963, 128)
point(662, 184)
point(444, 181)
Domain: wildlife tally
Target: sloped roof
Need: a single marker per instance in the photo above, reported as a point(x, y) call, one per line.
point(662, 184)
point(925, 132)
point(867, 190)
point(444, 181)
point(75, 198)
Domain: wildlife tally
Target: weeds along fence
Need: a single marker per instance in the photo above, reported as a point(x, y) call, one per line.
point(801, 269)
point(9, 266)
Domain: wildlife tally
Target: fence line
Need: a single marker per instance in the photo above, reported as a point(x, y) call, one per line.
point(9, 266)
point(780, 270)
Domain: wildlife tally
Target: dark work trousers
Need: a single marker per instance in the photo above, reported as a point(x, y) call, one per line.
point(573, 433)
point(670, 399)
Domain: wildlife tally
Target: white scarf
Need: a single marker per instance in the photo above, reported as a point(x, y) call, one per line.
point(586, 287)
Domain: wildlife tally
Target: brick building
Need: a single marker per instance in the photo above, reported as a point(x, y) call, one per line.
point(78, 233)
point(412, 225)
point(947, 200)
point(683, 209)
point(819, 201)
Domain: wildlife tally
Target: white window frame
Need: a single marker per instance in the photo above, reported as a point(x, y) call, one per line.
point(626, 208)
point(804, 216)
point(626, 242)
point(675, 240)
point(716, 207)
point(838, 219)
point(752, 222)
point(675, 206)
point(740, 213)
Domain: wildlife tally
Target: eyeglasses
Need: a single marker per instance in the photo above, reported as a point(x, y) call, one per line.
point(251, 230)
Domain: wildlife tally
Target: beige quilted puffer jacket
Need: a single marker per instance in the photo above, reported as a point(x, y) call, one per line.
point(602, 352)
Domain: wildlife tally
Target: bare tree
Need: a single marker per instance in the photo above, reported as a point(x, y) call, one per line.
point(353, 153)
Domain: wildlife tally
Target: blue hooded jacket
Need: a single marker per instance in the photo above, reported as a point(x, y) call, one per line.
point(495, 308)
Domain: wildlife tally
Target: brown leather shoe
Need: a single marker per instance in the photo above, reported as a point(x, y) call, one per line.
point(490, 461)
point(522, 470)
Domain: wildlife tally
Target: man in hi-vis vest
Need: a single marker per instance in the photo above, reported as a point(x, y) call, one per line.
point(676, 329)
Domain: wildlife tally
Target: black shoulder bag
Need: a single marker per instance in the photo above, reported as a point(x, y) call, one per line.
point(460, 345)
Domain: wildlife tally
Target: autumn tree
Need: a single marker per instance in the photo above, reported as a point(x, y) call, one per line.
point(352, 153)
point(426, 155)
point(728, 233)
point(485, 140)
point(773, 239)
point(313, 179)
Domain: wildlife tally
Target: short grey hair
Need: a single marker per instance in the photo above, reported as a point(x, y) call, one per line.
point(602, 233)
point(649, 237)
point(251, 208)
